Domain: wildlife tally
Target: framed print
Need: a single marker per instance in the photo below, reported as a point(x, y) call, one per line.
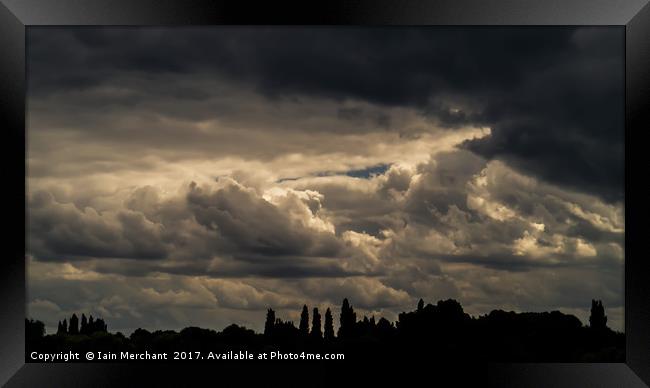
point(455, 188)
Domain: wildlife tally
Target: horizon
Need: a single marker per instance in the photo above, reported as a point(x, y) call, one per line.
point(335, 313)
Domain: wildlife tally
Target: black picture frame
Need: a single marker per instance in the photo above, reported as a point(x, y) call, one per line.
point(634, 15)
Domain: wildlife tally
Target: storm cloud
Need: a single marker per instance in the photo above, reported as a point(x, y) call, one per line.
point(221, 171)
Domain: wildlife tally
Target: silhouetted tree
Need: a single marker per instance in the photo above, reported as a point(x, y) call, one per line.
point(34, 329)
point(270, 322)
point(93, 325)
point(74, 324)
point(329, 325)
point(420, 305)
point(64, 326)
point(84, 324)
point(347, 320)
point(141, 336)
point(284, 332)
point(100, 325)
point(304, 321)
point(384, 329)
point(597, 319)
point(450, 308)
point(59, 328)
point(315, 325)
point(280, 322)
point(366, 327)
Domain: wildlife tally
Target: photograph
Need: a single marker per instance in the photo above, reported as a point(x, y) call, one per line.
point(338, 193)
point(326, 194)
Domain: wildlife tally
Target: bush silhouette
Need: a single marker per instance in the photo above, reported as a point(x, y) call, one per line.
point(34, 330)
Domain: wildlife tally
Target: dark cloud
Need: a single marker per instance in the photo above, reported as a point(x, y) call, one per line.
point(255, 226)
point(553, 96)
point(61, 231)
point(356, 114)
point(227, 231)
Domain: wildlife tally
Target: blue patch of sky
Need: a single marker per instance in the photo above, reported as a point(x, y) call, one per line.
point(364, 173)
point(368, 172)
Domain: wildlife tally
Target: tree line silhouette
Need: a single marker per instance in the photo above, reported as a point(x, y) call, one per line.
point(441, 331)
point(88, 326)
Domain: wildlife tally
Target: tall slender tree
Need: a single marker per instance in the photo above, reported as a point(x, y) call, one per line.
point(348, 319)
point(270, 322)
point(304, 321)
point(316, 331)
point(84, 324)
point(64, 326)
point(329, 325)
point(74, 324)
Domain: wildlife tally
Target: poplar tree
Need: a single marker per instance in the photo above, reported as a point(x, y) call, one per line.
point(304, 321)
point(270, 322)
point(74, 324)
point(316, 331)
point(348, 319)
point(329, 325)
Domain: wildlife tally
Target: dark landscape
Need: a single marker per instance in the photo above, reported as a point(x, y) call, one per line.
point(440, 332)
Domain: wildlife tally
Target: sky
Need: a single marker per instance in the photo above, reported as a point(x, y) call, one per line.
point(198, 176)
